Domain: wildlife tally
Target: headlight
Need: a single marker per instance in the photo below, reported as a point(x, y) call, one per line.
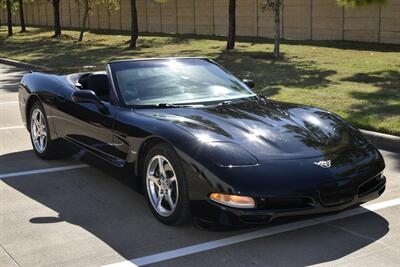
point(233, 201)
point(227, 154)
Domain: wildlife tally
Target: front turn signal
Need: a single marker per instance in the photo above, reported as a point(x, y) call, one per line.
point(233, 201)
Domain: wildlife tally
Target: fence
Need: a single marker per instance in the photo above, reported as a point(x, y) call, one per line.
point(301, 19)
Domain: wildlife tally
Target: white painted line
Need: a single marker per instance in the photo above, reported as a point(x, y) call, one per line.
point(9, 103)
point(172, 254)
point(55, 169)
point(12, 127)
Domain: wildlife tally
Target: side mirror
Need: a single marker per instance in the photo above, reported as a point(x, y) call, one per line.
point(88, 96)
point(249, 83)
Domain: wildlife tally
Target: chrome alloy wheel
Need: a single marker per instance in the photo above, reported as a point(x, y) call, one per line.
point(38, 130)
point(162, 185)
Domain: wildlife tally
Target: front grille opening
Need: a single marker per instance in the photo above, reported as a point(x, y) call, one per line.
point(284, 203)
point(337, 193)
point(369, 186)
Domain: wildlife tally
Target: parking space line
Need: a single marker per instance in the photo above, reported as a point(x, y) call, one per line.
point(12, 127)
point(55, 169)
point(172, 254)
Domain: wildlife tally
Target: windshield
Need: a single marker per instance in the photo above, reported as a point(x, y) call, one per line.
point(175, 81)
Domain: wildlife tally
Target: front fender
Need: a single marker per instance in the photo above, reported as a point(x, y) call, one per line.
point(39, 87)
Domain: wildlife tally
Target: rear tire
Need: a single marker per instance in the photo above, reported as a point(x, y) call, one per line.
point(42, 144)
point(166, 187)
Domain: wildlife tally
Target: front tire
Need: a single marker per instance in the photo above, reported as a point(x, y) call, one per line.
point(165, 186)
point(42, 144)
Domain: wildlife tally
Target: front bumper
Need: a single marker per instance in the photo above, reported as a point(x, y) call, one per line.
point(269, 209)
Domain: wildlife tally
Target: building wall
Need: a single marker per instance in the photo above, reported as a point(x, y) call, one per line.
point(301, 19)
point(327, 20)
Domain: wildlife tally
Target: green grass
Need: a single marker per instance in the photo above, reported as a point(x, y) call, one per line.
point(360, 82)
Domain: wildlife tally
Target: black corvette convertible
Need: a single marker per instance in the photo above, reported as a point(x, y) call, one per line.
point(201, 142)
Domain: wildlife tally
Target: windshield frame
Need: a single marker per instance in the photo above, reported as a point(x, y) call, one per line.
point(123, 103)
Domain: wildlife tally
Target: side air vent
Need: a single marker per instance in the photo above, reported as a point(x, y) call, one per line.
point(371, 185)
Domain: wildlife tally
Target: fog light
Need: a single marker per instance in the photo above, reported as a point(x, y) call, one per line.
point(233, 201)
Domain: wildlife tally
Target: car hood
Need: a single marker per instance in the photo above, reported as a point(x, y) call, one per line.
point(267, 129)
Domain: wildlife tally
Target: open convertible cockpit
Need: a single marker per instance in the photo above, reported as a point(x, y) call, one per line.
point(95, 81)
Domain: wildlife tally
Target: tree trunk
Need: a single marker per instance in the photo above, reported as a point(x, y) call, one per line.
point(232, 25)
point(134, 25)
point(85, 17)
point(57, 23)
point(277, 35)
point(21, 15)
point(9, 18)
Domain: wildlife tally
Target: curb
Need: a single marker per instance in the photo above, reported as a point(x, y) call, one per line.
point(20, 64)
point(383, 141)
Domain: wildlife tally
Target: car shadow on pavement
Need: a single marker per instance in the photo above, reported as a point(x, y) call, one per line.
point(348, 240)
point(11, 77)
point(112, 210)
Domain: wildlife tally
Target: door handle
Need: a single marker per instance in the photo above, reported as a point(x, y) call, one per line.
point(61, 98)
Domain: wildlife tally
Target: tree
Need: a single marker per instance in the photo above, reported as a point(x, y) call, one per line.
point(84, 20)
point(87, 6)
point(21, 15)
point(57, 21)
point(134, 25)
point(358, 3)
point(232, 25)
point(9, 17)
point(275, 6)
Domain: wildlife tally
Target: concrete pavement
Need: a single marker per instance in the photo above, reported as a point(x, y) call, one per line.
point(88, 217)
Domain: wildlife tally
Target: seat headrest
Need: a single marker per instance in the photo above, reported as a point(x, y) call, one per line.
point(98, 83)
